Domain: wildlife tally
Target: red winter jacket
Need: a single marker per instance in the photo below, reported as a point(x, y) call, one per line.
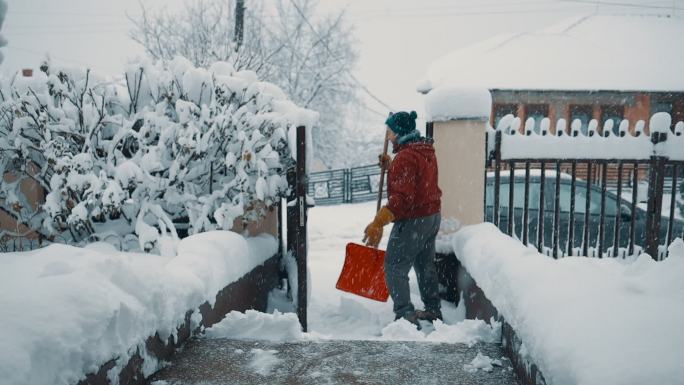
point(412, 182)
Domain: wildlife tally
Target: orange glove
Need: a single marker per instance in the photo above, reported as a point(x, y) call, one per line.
point(384, 161)
point(373, 232)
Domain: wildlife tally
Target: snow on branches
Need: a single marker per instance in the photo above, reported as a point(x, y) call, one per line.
point(170, 148)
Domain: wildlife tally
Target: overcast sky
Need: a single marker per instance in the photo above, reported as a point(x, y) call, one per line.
point(397, 38)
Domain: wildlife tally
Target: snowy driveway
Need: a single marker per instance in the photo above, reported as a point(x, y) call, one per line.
point(351, 340)
point(335, 314)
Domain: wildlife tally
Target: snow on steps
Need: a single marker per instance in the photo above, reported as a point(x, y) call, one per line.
point(225, 361)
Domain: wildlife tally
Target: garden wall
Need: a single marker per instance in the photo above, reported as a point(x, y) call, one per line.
point(249, 292)
point(456, 282)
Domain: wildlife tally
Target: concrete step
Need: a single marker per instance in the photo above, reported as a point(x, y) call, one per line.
point(224, 361)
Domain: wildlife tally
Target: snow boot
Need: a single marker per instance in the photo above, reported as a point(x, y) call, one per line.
point(429, 315)
point(412, 318)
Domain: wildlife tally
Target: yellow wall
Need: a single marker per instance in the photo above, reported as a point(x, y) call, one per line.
point(460, 149)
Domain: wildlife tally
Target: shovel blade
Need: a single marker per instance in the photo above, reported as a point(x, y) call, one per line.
point(363, 273)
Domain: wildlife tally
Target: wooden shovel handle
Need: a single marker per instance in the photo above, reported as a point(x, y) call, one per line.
point(382, 171)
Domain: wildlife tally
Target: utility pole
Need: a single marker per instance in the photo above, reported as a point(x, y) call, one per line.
point(239, 23)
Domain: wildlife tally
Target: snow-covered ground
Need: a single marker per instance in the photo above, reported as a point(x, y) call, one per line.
point(584, 320)
point(340, 315)
point(333, 314)
point(67, 310)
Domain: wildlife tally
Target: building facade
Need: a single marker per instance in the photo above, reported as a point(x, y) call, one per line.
point(586, 105)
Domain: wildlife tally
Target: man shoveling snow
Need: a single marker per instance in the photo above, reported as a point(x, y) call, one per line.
point(414, 206)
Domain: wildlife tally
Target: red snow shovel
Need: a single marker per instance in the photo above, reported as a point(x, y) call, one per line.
point(363, 272)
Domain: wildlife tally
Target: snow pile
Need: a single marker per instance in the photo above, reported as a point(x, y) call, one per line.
point(584, 320)
point(447, 228)
point(544, 145)
point(481, 362)
point(68, 310)
point(467, 332)
point(254, 325)
point(454, 103)
point(574, 57)
point(131, 160)
point(263, 361)
point(673, 146)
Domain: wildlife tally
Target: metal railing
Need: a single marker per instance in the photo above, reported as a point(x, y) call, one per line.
point(350, 185)
point(590, 206)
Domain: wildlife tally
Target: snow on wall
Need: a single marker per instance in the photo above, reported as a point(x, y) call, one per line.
point(583, 320)
point(453, 103)
point(67, 310)
point(544, 145)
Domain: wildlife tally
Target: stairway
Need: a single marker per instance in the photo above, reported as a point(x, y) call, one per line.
point(224, 361)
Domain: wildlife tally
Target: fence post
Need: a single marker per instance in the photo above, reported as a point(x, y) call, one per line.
point(429, 130)
point(459, 142)
point(656, 185)
point(300, 229)
point(347, 185)
point(497, 178)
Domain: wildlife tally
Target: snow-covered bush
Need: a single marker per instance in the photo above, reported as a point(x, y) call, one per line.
point(307, 51)
point(170, 144)
point(3, 13)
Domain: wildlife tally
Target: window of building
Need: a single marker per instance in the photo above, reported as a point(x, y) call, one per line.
point(501, 110)
point(538, 112)
point(614, 113)
point(582, 112)
point(661, 106)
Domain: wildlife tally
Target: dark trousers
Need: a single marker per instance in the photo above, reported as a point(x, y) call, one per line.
point(412, 244)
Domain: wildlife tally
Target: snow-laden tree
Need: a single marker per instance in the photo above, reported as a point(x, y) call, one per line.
point(310, 57)
point(3, 13)
point(171, 144)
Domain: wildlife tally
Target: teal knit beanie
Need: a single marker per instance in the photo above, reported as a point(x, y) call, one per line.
point(402, 123)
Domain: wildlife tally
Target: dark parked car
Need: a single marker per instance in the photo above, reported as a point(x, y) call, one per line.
point(611, 211)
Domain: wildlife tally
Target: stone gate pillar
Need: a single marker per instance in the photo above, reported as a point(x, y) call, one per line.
point(460, 118)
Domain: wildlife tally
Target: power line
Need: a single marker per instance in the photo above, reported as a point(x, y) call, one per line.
point(478, 13)
point(325, 44)
point(621, 4)
point(63, 32)
point(12, 12)
point(68, 26)
point(477, 6)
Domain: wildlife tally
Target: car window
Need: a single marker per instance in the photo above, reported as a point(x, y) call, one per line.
point(581, 200)
point(518, 195)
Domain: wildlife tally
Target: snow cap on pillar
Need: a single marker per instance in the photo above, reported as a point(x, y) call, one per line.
point(446, 103)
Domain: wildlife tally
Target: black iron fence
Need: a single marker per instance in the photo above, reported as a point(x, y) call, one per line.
point(350, 185)
point(594, 206)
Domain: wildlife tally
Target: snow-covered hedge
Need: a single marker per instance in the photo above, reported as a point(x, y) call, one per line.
point(128, 160)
